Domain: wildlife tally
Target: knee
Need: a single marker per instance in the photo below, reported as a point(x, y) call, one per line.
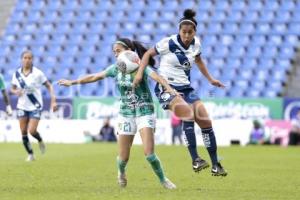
point(32, 131)
point(24, 132)
point(184, 112)
point(204, 122)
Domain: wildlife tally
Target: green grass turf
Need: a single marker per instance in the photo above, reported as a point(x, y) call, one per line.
point(88, 171)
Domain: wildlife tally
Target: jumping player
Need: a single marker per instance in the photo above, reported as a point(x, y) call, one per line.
point(177, 55)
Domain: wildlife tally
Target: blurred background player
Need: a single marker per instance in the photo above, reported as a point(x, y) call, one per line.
point(136, 110)
point(26, 84)
point(177, 55)
point(5, 96)
point(176, 125)
point(258, 135)
point(294, 135)
point(106, 133)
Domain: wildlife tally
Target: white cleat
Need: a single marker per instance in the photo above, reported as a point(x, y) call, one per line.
point(168, 184)
point(30, 158)
point(122, 180)
point(42, 147)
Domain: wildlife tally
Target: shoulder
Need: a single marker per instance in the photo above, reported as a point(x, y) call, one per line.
point(36, 70)
point(197, 43)
point(165, 39)
point(19, 70)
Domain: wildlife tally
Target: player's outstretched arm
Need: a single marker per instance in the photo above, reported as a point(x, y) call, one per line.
point(53, 104)
point(202, 67)
point(86, 79)
point(163, 82)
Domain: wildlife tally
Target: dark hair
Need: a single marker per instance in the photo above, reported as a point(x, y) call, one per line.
point(26, 51)
point(137, 47)
point(188, 18)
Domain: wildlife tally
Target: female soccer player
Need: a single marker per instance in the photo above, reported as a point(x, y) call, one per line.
point(5, 96)
point(26, 84)
point(136, 110)
point(178, 53)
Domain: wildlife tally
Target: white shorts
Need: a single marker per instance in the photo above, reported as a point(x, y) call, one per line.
point(130, 125)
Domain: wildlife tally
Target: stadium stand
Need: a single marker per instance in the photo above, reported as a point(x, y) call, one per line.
point(249, 45)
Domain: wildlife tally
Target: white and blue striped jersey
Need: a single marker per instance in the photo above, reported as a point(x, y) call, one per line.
point(34, 81)
point(176, 60)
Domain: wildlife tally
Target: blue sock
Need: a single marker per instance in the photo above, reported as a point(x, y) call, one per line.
point(37, 136)
point(26, 144)
point(210, 143)
point(190, 138)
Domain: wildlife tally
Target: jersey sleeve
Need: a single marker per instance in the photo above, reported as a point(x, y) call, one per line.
point(111, 71)
point(43, 78)
point(2, 84)
point(14, 80)
point(162, 47)
point(198, 47)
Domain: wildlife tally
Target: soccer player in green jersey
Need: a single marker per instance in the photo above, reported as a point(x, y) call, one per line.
point(5, 96)
point(136, 110)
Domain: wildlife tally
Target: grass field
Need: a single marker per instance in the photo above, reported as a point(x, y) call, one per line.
point(88, 171)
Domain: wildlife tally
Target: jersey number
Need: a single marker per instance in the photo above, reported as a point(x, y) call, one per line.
point(127, 127)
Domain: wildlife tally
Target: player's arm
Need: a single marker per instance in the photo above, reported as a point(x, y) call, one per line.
point(144, 62)
point(7, 102)
point(16, 91)
point(163, 82)
point(202, 67)
point(86, 79)
point(53, 104)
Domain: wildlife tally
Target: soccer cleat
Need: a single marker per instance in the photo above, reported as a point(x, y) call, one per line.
point(30, 158)
point(122, 180)
point(218, 170)
point(168, 184)
point(199, 164)
point(42, 147)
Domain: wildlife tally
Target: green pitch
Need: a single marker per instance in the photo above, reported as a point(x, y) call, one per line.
point(88, 171)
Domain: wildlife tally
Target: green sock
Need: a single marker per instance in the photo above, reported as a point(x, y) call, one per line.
point(156, 166)
point(121, 165)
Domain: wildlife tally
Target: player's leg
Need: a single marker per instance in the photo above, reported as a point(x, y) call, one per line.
point(146, 126)
point(23, 123)
point(124, 143)
point(126, 131)
point(181, 108)
point(33, 123)
point(208, 135)
point(181, 105)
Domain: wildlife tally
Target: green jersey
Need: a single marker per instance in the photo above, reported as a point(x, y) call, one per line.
point(133, 103)
point(2, 84)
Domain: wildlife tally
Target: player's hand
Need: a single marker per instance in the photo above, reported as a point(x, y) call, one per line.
point(54, 107)
point(137, 79)
point(172, 91)
point(20, 92)
point(64, 82)
point(217, 83)
point(9, 110)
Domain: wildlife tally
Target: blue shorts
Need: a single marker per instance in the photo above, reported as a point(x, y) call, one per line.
point(36, 114)
point(187, 92)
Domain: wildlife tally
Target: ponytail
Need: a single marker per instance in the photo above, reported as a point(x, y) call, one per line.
point(135, 46)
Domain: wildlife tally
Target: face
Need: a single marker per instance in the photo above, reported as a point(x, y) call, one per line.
point(117, 49)
point(187, 33)
point(27, 59)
